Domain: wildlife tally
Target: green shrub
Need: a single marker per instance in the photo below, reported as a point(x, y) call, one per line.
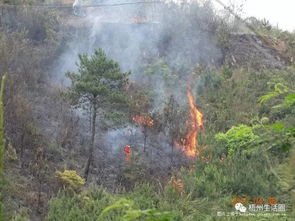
point(85, 206)
point(144, 196)
point(135, 214)
point(98, 205)
point(70, 179)
point(238, 139)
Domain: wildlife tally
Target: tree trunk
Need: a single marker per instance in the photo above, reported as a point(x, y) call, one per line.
point(172, 152)
point(144, 143)
point(91, 149)
point(22, 141)
point(144, 138)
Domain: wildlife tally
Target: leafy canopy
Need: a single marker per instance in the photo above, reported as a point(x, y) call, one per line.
point(99, 82)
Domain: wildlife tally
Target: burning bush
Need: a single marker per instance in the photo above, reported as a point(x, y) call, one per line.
point(190, 143)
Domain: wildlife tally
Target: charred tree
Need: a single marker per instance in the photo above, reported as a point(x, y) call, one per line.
point(172, 122)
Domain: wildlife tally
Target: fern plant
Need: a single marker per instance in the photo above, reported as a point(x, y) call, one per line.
point(238, 138)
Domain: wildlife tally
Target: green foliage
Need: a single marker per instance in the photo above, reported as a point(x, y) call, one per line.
point(100, 84)
point(134, 214)
point(11, 153)
point(250, 176)
point(288, 101)
point(144, 196)
point(282, 132)
point(279, 88)
point(21, 216)
point(279, 126)
point(287, 179)
point(133, 173)
point(246, 161)
point(238, 139)
point(71, 179)
point(211, 182)
point(226, 102)
point(239, 175)
point(99, 79)
point(86, 206)
point(98, 87)
point(98, 205)
point(118, 204)
point(211, 80)
point(1, 211)
point(184, 206)
point(229, 101)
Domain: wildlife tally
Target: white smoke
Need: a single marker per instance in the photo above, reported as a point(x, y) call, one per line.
point(133, 35)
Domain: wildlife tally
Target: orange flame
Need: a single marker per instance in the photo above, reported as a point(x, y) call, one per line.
point(190, 143)
point(143, 120)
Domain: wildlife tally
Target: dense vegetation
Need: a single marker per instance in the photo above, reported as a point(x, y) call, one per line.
point(56, 145)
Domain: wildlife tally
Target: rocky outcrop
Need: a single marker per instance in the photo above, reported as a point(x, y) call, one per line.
point(249, 50)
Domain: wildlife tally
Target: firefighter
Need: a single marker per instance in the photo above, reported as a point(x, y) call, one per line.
point(127, 150)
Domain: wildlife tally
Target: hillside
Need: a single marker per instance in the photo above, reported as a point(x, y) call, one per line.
point(165, 112)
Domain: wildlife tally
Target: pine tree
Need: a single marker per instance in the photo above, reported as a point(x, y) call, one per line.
point(98, 85)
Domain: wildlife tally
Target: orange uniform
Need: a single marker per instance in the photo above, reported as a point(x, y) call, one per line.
point(127, 150)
